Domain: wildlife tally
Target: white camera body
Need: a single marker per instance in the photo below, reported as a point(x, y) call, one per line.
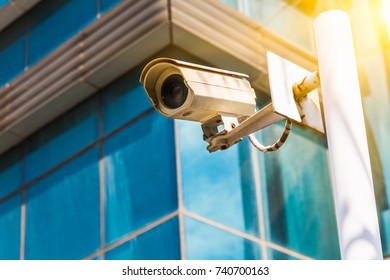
point(216, 97)
point(188, 91)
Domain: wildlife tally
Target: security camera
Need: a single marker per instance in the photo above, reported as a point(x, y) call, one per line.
point(188, 91)
point(220, 98)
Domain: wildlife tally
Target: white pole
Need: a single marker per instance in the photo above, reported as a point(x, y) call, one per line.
point(353, 190)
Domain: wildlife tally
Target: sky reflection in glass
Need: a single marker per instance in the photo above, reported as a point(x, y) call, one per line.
point(219, 185)
point(204, 241)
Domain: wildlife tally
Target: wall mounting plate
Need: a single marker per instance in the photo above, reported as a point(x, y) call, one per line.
point(282, 75)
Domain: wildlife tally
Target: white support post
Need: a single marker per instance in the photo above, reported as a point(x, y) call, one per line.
point(352, 183)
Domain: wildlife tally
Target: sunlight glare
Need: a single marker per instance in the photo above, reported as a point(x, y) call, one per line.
point(386, 15)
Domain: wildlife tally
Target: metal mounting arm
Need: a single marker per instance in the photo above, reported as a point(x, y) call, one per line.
point(227, 138)
point(278, 110)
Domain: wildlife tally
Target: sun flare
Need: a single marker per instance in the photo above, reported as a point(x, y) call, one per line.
point(386, 15)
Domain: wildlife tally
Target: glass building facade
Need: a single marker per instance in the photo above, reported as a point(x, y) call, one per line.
point(110, 178)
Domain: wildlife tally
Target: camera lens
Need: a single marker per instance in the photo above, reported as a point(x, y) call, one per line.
point(173, 91)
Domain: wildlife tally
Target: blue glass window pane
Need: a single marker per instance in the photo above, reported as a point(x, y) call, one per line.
point(108, 4)
point(220, 185)
point(123, 100)
point(54, 22)
point(12, 51)
point(63, 211)
point(3, 3)
point(277, 255)
point(385, 231)
point(10, 228)
point(140, 175)
point(11, 172)
point(62, 138)
point(206, 242)
point(297, 194)
point(159, 243)
point(232, 3)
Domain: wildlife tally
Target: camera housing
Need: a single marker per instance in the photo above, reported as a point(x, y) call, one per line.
point(216, 98)
point(188, 91)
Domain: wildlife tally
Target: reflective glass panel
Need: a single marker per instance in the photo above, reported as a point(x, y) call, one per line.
point(277, 255)
point(233, 3)
point(105, 5)
point(3, 3)
point(11, 171)
point(159, 243)
point(287, 18)
point(219, 185)
point(123, 100)
point(206, 242)
point(140, 175)
point(10, 228)
point(12, 51)
point(67, 16)
point(297, 194)
point(62, 138)
point(63, 211)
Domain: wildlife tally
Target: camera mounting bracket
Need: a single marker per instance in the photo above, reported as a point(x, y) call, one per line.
point(290, 100)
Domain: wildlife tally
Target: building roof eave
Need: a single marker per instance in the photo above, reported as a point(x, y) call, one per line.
point(13, 10)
